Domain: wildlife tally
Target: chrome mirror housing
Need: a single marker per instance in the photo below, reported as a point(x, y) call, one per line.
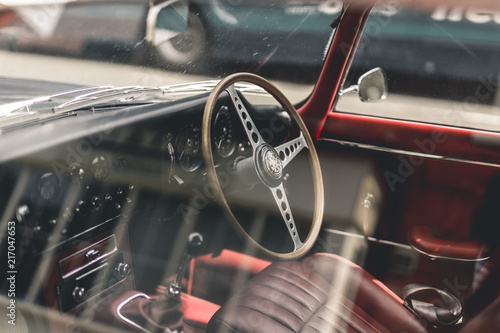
point(371, 87)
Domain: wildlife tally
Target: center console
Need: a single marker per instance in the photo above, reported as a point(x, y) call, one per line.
point(89, 271)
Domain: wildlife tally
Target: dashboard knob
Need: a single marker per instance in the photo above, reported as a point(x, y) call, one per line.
point(22, 214)
point(79, 294)
point(82, 208)
point(195, 244)
point(123, 269)
point(99, 168)
point(96, 203)
point(76, 171)
point(48, 186)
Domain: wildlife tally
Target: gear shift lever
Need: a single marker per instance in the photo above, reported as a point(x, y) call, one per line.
point(193, 248)
point(162, 314)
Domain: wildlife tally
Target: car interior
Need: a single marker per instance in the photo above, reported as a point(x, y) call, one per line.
point(231, 209)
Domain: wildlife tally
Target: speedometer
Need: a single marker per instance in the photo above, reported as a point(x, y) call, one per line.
point(223, 133)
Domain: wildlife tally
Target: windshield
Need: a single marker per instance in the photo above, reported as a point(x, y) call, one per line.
point(104, 43)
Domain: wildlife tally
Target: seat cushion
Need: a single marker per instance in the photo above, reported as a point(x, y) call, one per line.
point(322, 293)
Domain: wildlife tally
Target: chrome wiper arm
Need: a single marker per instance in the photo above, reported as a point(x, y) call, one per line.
point(121, 95)
point(208, 86)
point(10, 109)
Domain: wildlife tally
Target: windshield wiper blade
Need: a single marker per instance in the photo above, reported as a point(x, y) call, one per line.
point(111, 94)
point(15, 109)
point(208, 86)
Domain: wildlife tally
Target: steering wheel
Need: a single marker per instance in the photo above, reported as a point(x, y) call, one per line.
point(267, 162)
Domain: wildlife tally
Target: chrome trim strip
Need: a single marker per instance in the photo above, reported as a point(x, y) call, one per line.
point(91, 272)
point(371, 239)
point(410, 153)
point(133, 323)
point(408, 247)
point(103, 256)
point(125, 319)
point(434, 257)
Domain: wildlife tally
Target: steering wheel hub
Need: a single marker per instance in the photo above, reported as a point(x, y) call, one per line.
point(272, 163)
point(269, 165)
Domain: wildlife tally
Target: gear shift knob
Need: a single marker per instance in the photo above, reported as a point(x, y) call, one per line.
point(193, 248)
point(195, 244)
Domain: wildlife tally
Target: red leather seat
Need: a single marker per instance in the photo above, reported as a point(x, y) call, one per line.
point(326, 293)
point(321, 293)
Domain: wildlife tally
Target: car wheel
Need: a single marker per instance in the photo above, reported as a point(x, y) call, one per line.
point(188, 47)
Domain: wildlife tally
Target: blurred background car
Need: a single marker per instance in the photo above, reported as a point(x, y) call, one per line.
point(214, 32)
point(227, 31)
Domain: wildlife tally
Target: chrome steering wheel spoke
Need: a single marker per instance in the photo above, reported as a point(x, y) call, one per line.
point(288, 150)
point(251, 130)
point(284, 207)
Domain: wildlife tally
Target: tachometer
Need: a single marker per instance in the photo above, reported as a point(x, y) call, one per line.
point(189, 148)
point(223, 135)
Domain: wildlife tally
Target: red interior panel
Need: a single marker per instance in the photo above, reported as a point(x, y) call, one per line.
point(416, 137)
point(421, 238)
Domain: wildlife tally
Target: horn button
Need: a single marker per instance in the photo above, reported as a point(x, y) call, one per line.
point(269, 165)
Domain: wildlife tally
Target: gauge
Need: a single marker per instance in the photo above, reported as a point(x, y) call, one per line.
point(189, 148)
point(48, 186)
point(223, 133)
point(99, 168)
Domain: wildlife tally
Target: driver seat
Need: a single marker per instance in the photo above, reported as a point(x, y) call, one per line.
point(321, 293)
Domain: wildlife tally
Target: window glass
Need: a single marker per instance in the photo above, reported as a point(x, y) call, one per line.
point(103, 43)
point(442, 66)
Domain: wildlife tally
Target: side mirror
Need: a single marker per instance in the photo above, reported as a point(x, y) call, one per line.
point(166, 20)
point(371, 87)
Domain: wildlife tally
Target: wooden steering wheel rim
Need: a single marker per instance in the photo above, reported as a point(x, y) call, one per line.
point(213, 179)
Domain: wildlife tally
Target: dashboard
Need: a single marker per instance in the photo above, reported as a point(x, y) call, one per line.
point(84, 191)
